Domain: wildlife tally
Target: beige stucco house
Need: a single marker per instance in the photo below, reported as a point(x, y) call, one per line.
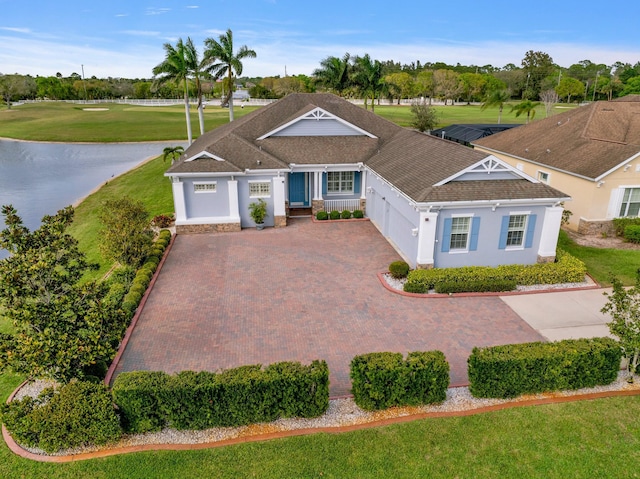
point(590, 152)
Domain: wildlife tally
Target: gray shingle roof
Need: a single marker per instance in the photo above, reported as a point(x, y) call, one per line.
point(587, 141)
point(412, 161)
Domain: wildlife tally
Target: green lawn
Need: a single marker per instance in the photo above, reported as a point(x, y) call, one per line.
point(69, 122)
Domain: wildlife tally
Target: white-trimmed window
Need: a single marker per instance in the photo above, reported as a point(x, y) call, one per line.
point(543, 176)
point(259, 189)
point(205, 187)
point(460, 233)
point(630, 202)
point(340, 182)
point(516, 231)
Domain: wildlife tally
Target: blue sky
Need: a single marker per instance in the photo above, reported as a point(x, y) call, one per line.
point(121, 38)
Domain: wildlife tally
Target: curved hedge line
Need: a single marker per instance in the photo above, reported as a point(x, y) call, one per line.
point(566, 269)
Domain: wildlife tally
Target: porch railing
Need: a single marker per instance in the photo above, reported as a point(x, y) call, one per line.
point(341, 205)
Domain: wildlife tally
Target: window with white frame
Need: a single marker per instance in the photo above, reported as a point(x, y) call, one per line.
point(259, 189)
point(459, 233)
point(516, 231)
point(630, 202)
point(340, 182)
point(543, 176)
point(209, 187)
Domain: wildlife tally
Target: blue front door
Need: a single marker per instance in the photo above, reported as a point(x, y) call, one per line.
point(298, 189)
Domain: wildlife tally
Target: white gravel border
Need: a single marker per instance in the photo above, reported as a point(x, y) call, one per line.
point(341, 412)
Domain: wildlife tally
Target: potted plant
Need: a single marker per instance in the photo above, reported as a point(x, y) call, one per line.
point(258, 212)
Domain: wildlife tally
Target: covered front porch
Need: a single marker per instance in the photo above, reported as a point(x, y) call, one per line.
point(311, 190)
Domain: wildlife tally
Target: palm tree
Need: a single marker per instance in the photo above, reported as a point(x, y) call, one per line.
point(496, 98)
point(195, 69)
point(173, 152)
point(175, 68)
point(526, 106)
point(368, 77)
point(334, 73)
point(219, 60)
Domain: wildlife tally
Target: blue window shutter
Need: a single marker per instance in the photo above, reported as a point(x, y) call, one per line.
point(475, 231)
point(324, 183)
point(531, 228)
point(504, 231)
point(356, 182)
point(446, 235)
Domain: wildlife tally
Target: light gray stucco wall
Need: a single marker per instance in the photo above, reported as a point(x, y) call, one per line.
point(244, 201)
point(207, 204)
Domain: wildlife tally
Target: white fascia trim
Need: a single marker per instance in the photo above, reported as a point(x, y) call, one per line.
point(209, 220)
point(204, 174)
point(269, 172)
point(326, 167)
point(487, 203)
point(537, 163)
point(317, 114)
point(620, 165)
point(492, 159)
point(204, 153)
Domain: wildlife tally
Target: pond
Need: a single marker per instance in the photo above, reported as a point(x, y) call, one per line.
point(40, 178)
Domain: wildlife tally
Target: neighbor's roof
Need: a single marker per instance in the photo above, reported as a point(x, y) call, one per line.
point(466, 133)
point(412, 161)
point(588, 141)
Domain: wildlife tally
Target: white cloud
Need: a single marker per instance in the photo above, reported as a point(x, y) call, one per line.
point(16, 29)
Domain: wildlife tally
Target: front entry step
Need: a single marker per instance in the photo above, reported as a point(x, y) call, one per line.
point(300, 212)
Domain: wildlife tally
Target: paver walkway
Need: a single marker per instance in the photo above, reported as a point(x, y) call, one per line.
point(304, 292)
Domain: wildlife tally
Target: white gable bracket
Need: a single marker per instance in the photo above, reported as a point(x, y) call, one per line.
point(486, 166)
point(317, 114)
point(204, 153)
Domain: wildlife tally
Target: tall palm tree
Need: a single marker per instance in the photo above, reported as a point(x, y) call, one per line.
point(195, 69)
point(219, 60)
point(333, 73)
point(175, 68)
point(496, 98)
point(526, 106)
point(368, 77)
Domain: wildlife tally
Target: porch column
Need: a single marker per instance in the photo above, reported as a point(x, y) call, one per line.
point(317, 204)
point(234, 209)
point(549, 236)
point(426, 240)
point(363, 185)
point(178, 199)
point(279, 211)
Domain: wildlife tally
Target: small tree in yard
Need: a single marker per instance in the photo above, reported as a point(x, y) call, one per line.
point(624, 307)
point(62, 326)
point(126, 236)
point(425, 117)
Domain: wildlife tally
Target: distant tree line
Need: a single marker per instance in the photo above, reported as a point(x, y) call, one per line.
point(364, 77)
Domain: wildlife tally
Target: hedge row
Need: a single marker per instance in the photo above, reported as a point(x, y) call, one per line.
point(149, 401)
point(493, 286)
point(566, 269)
point(516, 369)
point(621, 224)
point(336, 215)
point(383, 380)
point(143, 276)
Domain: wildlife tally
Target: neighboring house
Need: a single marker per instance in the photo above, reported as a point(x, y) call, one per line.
point(591, 152)
point(437, 202)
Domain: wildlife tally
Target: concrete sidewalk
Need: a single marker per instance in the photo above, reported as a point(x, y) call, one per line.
point(563, 315)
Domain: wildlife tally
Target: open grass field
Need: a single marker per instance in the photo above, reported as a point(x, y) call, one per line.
point(69, 122)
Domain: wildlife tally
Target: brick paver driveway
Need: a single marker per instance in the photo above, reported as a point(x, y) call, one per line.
point(308, 291)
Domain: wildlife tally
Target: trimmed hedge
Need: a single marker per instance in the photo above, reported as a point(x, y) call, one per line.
point(358, 214)
point(345, 215)
point(322, 215)
point(620, 224)
point(334, 215)
point(383, 380)
point(77, 414)
point(632, 233)
point(148, 401)
point(566, 269)
point(516, 369)
point(399, 269)
point(476, 286)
